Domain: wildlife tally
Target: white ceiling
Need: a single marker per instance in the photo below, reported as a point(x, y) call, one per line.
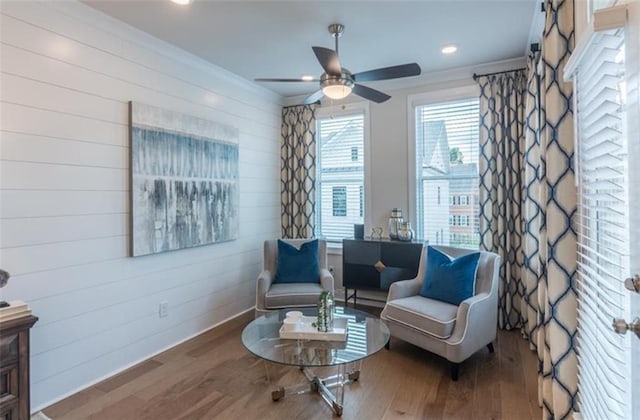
point(274, 38)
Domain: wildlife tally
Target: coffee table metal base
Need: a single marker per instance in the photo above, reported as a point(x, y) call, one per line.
point(323, 386)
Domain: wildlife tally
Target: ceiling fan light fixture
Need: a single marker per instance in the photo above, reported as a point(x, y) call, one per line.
point(337, 87)
point(337, 91)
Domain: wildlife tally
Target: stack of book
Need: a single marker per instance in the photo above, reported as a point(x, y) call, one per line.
point(16, 309)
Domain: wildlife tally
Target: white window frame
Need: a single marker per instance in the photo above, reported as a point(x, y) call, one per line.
point(341, 111)
point(463, 91)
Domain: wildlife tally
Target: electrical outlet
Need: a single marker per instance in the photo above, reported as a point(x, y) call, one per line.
point(163, 309)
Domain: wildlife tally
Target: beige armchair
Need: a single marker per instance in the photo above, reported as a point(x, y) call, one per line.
point(453, 332)
point(270, 296)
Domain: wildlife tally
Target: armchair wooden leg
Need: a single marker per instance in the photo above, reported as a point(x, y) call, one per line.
point(455, 368)
point(490, 347)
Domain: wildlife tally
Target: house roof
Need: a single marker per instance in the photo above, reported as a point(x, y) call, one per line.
point(436, 147)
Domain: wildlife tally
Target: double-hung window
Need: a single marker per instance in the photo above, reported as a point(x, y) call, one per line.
point(340, 172)
point(446, 164)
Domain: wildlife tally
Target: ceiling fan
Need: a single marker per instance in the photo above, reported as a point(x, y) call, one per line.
point(337, 82)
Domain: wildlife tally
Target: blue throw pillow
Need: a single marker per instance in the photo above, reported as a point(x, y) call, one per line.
point(297, 265)
point(449, 280)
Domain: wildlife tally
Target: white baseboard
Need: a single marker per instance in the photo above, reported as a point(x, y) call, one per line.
point(35, 410)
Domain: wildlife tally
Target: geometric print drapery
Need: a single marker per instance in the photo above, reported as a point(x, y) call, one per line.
point(541, 298)
point(533, 214)
point(554, 300)
point(501, 164)
point(298, 171)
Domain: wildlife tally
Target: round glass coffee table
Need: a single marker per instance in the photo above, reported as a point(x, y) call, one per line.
point(366, 335)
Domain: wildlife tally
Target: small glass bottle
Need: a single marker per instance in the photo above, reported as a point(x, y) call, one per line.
point(394, 222)
point(330, 311)
point(405, 233)
point(325, 312)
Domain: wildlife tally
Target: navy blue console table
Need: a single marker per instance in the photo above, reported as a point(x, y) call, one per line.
point(369, 264)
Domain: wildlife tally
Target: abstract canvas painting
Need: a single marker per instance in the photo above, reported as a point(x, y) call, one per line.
point(184, 180)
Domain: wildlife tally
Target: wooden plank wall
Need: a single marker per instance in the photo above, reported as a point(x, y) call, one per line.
point(67, 74)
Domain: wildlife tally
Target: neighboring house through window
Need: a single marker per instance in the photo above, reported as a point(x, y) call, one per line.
point(340, 171)
point(447, 138)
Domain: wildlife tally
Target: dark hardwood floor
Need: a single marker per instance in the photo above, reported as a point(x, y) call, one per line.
point(213, 377)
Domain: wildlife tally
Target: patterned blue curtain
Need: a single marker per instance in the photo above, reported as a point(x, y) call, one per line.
point(298, 171)
point(557, 305)
point(537, 292)
point(533, 211)
point(502, 98)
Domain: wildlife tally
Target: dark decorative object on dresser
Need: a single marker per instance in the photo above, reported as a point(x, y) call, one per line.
point(4, 279)
point(374, 264)
point(358, 231)
point(14, 367)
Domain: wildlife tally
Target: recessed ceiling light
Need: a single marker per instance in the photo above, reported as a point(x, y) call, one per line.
point(449, 48)
point(307, 78)
point(181, 2)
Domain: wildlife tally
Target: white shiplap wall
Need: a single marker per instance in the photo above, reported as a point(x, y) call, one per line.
point(68, 72)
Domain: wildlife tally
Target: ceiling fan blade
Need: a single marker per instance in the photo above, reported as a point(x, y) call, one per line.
point(328, 60)
point(371, 94)
point(313, 98)
point(393, 72)
point(287, 80)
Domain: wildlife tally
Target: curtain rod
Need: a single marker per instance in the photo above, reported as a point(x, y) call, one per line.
point(475, 76)
point(314, 103)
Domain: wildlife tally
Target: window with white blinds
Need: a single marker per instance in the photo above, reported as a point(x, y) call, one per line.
point(603, 237)
point(447, 197)
point(340, 175)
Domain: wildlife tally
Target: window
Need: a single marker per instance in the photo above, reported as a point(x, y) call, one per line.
point(340, 177)
point(354, 154)
point(606, 197)
point(339, 201)
point(447, 163)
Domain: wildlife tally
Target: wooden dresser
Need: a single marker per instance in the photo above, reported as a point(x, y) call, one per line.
point(14, 368)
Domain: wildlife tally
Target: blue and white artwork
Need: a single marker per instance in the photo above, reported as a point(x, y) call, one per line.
point(184, 180)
